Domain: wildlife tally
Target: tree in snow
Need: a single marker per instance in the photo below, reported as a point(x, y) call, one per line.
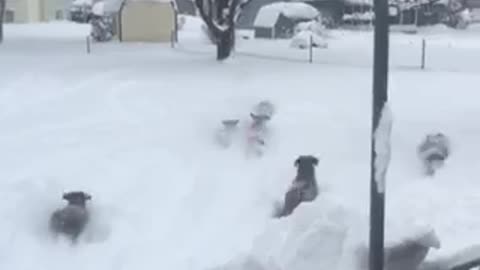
point(220, 17)
point(2, 16)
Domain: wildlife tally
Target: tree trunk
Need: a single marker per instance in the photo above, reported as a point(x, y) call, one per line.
point(224, 44)
point(219, 16)
point(2, 17)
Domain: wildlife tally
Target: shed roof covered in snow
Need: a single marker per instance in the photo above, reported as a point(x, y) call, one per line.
point(268, 15)
point(113, 6)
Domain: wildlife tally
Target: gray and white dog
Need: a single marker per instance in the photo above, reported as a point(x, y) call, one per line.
point(433, 151)
point(304, 187)
point(73, 218)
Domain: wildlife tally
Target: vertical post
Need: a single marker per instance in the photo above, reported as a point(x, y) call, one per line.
point(3, 4)
point(424, 47)
point(88, 44)
point(172, 39)
point(311, 49)
point(380, 97)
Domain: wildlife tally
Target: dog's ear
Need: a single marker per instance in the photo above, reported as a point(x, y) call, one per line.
point(297, 162)
point(315, 161)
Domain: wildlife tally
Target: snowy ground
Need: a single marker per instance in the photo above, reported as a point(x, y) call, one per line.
point(133, 125)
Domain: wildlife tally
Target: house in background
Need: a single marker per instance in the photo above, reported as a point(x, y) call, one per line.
point(31, 11)
point(140, 20)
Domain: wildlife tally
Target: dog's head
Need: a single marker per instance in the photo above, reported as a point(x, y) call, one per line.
point(306, 161)
point(306, 164)
point(78, 198)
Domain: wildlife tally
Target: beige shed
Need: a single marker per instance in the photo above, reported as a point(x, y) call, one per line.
point(147, 21)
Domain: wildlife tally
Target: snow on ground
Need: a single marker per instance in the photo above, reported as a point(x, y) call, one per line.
point(133, 125)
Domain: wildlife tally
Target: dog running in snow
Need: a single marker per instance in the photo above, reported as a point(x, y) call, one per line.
point(304, 187)
point(73, 218)
point(433, 151)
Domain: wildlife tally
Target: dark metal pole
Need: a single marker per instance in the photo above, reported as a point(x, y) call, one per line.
point(380, 97)
point(3, 4)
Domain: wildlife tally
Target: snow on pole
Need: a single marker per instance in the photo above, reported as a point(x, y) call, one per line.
point(380, 138)
point(382, 147)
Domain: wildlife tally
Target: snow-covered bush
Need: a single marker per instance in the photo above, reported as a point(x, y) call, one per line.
point(464, 18)
point(102, 23)
point(315, 26)
point(306, 38)
point(80, 11)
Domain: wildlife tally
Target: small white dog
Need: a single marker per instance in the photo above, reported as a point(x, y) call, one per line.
point(433, 151)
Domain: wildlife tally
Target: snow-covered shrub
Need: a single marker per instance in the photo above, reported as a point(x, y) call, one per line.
point(464, 18)
point(81, 10)
point(306, 38)
point(315, 26)
point(102, 28)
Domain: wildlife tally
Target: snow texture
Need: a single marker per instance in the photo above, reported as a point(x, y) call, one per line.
point(133, 124)
point(267, 16)
point(382, 147)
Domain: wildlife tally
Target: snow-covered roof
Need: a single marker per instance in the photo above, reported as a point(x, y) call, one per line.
point(82, 2)
point(267, 16)
point(359, 2)
point(113, 6)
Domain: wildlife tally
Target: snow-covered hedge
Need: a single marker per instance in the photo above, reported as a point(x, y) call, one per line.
point(315, 26)
point(303, 39)
point(358, 16)
point(464, 19)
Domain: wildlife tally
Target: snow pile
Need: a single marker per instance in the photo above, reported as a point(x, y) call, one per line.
point(99, 8)
point(306, 38)
point(464, 19)
point(268, 15)
point(312, 238)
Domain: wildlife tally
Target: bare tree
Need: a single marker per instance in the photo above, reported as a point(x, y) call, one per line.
point(3, 5)
point(220, 17)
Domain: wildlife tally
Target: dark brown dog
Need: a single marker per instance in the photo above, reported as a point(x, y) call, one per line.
point(72, 219)
point(304, 187)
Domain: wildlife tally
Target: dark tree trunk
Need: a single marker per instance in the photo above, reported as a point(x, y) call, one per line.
point(2, 17)
point(223, 46)
point(219, 16)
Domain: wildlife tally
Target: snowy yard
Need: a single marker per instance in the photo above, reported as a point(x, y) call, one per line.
point(133, 124)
